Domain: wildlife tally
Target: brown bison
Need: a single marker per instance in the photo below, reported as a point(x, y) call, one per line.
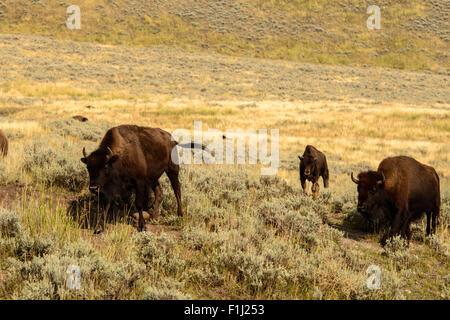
point(131, 159)
point(3, 144)
point(80, 118)
point(313, 164)
point(399, 192)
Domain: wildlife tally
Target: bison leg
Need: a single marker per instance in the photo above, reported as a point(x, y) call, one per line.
point(303, 182)
point(429, 223)
point(158, 198)
point(173, 177)
point(101, 223)
point(406, 231)
point(399, 220)
point(434, 220)
point(315, 190)
point(141, 203)
point(326, 178)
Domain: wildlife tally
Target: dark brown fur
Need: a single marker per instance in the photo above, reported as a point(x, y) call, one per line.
point(399, 192)
point(313, 164)
point(133, 158)
point(3, 144)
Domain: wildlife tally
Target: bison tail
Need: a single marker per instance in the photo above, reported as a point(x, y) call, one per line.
point(193, 145)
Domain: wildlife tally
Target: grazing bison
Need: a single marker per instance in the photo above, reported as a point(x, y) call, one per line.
point(399, 192)
point(3, 144)
point(313, 164)
point(132, 158)
point(80, 118)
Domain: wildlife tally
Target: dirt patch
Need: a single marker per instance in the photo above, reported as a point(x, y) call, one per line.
point(9, 195)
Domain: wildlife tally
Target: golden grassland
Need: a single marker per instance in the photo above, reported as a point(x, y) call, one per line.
point(243, 235)
point(229, 254)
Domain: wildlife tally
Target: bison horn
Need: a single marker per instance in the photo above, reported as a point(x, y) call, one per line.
point(84, 152)
point(109, 150)
point(354, 180)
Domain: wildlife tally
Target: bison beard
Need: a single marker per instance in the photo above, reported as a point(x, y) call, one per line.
point(400, 191)
point(133, 158)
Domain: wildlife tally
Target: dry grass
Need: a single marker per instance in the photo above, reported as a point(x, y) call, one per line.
point(350, 143)
point(243, 235)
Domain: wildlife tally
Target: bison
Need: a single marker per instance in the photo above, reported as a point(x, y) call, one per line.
point(3, 144)
point(132, 158)
point(80, 118)
point(313, 164)
point(399, 192)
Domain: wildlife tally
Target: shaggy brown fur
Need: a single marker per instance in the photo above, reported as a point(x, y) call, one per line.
point(313, 164)
point(400, 191)
point(3, 144)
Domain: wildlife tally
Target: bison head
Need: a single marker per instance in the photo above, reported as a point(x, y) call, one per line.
point(309, 163)
point(371, 195)
point(100, 167)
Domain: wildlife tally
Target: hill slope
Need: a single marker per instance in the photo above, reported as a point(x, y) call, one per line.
point(413, 35)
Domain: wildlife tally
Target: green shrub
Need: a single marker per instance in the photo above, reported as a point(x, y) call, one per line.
point(93, 131)
point(158, 252)
point(397, 249)
point(58, 165)
point(166, 290)
point(9, 223)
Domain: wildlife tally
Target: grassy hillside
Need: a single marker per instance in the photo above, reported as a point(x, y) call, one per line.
point(414, 34)
point(243, 235)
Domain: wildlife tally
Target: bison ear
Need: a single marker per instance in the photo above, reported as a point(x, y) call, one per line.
point(113, 159)
point(84, 160)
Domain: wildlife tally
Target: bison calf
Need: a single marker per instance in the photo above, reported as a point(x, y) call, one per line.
point(313, 164)
point(3, 144)
point(399, 192)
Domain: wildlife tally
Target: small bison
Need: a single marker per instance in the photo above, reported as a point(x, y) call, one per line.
point(80, 118)
point(132, 159)
point(313, 164)
point(3, 144)
point(399, 192)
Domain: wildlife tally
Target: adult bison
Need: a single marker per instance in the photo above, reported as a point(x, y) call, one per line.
point(399, 192)
point(313, 164)
point(132, 158)
point(3, 144)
